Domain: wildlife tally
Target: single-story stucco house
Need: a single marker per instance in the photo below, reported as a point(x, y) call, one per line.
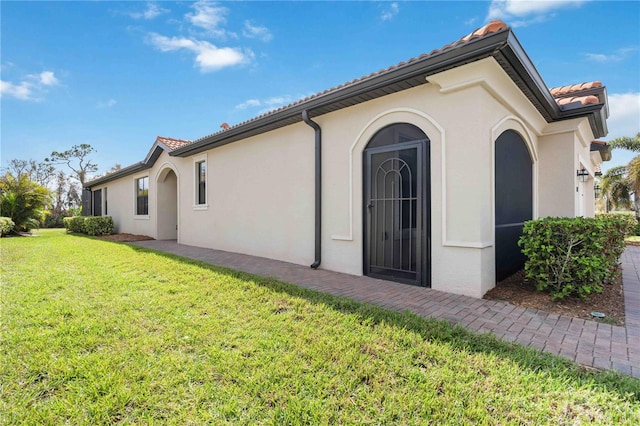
point(421, 173)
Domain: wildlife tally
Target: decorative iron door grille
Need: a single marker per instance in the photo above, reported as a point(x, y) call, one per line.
point(394, 208)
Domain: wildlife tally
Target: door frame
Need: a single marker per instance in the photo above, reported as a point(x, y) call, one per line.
point(423, 220)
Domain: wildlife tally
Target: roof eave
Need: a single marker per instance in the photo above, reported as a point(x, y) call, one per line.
point(603, 149)
point(134, 168)
point(152, 156)
point(469, 52)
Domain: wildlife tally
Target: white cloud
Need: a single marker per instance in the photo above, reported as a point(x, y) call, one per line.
point(624, 115)
point(256, 31)
point(520, 13)
point(107, 104)
point(209, 16)
point(48, 79)
point(249, 103)
point(30, 88)
point(268, 104)
point(471, 21)
point(208, 56)
point(391, 12)
point(616, 56)
point(152, 12)
point(23, 90)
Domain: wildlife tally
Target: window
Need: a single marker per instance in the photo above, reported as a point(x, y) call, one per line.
point(106, 211)
point(142, 196)
point(97, 202)
point(201, 181)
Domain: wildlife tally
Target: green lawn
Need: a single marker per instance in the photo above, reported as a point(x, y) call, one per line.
point(100, 333)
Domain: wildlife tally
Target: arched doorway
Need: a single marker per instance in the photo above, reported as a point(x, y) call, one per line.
point(167, 205)
point(513, 201)
point(396, 205)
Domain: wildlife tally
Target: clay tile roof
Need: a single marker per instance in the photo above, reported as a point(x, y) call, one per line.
point(490, 28)
point(172, 143)
point(564, 90)
point(584, 100)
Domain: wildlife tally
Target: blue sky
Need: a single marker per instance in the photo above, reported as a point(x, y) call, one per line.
point(118, 74)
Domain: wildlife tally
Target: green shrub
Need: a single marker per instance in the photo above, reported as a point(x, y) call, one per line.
point(626, 217)
point(573, 256)
point(98, 225)
point(54, 220)
point(23, 200)
point(74, 224)
point(6, 225)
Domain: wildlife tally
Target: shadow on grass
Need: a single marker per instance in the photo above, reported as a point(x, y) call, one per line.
point(436, 331)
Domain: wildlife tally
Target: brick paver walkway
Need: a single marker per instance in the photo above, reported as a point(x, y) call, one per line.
point(587, 342)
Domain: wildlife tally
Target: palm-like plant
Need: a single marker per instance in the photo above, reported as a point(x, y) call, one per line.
point(23, 200)
point(614, 181)
point(616, 188)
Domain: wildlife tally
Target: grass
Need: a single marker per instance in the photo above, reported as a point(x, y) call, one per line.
point(94, 332)
point(633, 239)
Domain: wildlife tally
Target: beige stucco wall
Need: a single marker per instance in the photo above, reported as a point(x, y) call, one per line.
point(260, 191)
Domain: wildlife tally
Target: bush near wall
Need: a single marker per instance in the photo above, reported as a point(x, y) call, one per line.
point(574, 256)
point(74, 224)
point(91, 225)
point(98, 225)
point(627, 217)
point(6, 225)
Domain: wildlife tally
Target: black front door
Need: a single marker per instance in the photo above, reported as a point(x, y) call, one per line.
point(513, 201)
point(395, 208)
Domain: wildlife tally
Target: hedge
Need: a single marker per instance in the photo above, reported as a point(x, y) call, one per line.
point(6, 225)
point(98, 225)
point(627, 217)
point(573, 256)
point(74, 224)
point(91, 225)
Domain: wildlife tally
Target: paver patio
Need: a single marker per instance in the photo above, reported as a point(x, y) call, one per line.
point(589, 343)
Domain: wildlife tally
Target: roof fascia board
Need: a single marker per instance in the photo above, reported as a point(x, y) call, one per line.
point(465, 53)
point(151, 158)
point(134, 168)
point(520, 64)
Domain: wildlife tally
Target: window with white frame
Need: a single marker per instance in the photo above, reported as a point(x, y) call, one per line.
point(201, 183)
point(142, 196)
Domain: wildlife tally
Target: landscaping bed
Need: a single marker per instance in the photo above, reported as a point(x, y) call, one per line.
point(124, 238)
point(520, 291)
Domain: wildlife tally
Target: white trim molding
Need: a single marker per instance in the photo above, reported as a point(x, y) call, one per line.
point(395, 115)
point(194, 182)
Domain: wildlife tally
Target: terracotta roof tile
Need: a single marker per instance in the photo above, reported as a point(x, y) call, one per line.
point(490, 28)
point(172, 143)
point(584, 100)
point(564, 90)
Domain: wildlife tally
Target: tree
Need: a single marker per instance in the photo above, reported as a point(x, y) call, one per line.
point(631, 175)
point(23, 200)
point(65, 194)
point(615, 187)
point(39, 172)
point(77, 160)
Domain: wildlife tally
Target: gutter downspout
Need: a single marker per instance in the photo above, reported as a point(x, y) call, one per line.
point(318, 187)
